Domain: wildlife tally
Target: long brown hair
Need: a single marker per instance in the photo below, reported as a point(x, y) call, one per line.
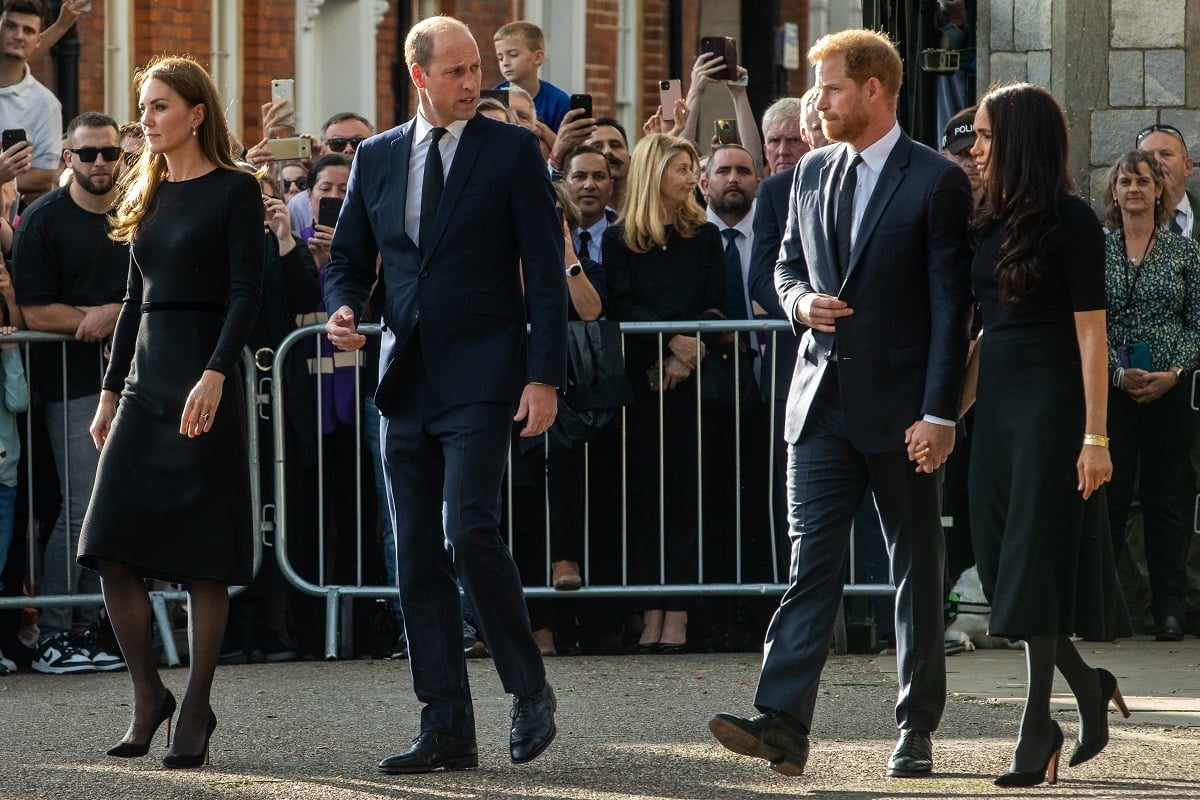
point(1027, 178)
point(140, 182)
point(1131, 164)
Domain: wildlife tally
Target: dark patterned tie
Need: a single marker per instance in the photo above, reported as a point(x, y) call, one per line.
point(735, 287)
point(585, 240)
point(1174, 224)
point(432, 184)
point(845, 215)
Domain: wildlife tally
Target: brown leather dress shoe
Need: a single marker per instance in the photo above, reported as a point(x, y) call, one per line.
point(773, 736)
point(433, 751)
point(565, 577)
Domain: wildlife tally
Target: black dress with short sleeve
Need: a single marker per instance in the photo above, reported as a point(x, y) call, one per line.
point(168, 506)
point(1044, 554)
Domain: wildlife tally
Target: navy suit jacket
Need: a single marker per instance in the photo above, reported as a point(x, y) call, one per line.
point(770, 221)
point(902, 354)
point(463, 293)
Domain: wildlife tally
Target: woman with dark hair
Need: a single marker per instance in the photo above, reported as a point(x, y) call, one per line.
point(1152, 278)
point(172, 492)
point(664, 263)
point(1041, 449)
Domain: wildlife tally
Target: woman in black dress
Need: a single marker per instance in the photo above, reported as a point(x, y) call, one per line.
point(664, 263)
point(1041, 450)
point(172, 496)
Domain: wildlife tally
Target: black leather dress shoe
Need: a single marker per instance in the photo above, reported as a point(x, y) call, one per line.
point(913, 756)
point(432, 751)
point(532, 725)
point(773, 736)
point(1169, 630)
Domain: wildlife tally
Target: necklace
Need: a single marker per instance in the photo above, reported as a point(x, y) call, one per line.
point(1145, 252)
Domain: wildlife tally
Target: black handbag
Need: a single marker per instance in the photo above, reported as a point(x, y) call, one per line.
point(597, 385)
point(717, 380)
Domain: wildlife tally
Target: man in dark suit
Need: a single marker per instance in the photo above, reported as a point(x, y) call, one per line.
point(459, 209)
point(875, 263)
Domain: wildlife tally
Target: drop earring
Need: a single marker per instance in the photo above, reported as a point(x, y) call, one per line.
point(193, 131)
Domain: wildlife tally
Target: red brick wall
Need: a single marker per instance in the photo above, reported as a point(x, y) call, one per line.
point(600, 65)
point(654, 46)
point(485, 17)
point(172, 29)
point(386, 52)
point(268, 52)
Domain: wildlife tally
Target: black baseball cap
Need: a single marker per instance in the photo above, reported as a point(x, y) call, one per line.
point(960, 131)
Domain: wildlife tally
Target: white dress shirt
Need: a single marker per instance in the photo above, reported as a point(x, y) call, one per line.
point(873, 159)
point(422, 135)
point(597, 233)
point(1183, 215)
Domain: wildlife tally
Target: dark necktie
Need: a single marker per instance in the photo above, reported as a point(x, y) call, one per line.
point(432, 184)
point(1174, 224)
point(735, 287)
point(845, 215)
point(585, 239)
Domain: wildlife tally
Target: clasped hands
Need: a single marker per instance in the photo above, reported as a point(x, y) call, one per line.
point(1146, 387)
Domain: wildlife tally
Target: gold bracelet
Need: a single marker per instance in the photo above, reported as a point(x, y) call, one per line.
point(1095, 439)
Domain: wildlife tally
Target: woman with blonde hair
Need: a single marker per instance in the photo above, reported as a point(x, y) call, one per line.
point(665, 264)
point(172, 496)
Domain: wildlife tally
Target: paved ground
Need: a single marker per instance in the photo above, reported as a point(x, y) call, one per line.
point(630, 727)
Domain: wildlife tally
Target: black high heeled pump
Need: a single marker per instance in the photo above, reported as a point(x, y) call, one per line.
point(1109, 693)
point(1047, 774)
point(191, 761)
point(166, 710)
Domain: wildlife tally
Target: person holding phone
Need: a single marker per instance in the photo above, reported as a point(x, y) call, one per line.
point(172, 493)
point(327, 180)
point(1152, 284)
point(27, 105)
point(708, 69)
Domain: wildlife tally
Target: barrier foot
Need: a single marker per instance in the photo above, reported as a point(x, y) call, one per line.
point(331, 625)
point(163, 620)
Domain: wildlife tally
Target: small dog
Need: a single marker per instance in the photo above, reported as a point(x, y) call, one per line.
point(970, 625)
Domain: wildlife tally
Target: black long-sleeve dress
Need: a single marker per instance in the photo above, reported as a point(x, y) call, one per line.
point(1044, 553)
point(168, 506)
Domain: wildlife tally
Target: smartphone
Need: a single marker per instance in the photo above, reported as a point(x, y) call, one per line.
point(496, 94)
point(328, 209)
point(12, 136)
point(726, 48)
point(726, 131)
point(583, 101)
point(285, 89)
point(290, 148)
point(668, 93)
point(1134, 356)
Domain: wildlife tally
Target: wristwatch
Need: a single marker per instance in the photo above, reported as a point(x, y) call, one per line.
point(574, 269)
point(1178, 372)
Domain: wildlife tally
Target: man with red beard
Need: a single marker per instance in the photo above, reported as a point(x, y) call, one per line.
point(875, 262)
point(70, 278)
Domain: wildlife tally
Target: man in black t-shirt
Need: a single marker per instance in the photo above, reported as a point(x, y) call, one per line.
point(70, 278)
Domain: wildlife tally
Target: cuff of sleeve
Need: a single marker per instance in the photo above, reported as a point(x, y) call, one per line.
point(949, 423)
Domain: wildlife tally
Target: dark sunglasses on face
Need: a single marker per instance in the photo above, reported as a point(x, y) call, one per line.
point(88, 154)
point(1170, 130)
point(338, 144)
point(300, 183)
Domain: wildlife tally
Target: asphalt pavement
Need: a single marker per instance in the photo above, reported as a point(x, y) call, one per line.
point(629, 727)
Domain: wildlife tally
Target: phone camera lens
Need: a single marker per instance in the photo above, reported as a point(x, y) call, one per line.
point(664, 85)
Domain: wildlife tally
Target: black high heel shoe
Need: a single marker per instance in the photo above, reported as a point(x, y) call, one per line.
point(1109, 692)
point(181, 761)
point(1047, 774)
point(166, 710)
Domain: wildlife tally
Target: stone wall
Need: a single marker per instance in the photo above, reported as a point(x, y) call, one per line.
point(1116, 66)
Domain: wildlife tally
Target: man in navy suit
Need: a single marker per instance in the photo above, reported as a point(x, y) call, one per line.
point(875, 262)
point(459, 211)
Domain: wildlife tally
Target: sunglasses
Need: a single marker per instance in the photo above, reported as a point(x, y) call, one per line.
point(88, 154)
point(1170, 130)
point(300, 183)
point(338, 144)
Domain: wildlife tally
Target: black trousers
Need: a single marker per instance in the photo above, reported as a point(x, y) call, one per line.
point(1149, 448)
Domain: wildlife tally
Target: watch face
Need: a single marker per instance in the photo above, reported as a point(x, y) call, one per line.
point(574, 270)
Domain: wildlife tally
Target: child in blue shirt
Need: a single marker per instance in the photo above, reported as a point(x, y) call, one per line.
point(521, 49)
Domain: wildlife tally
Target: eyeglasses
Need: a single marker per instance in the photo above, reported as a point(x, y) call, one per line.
point(88, 154)
point(300, 183)
point(338, 144)
point(1170, 130)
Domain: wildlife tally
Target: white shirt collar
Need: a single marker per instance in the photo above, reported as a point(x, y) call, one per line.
point(876, 155)
point(422, 127)
point(745, 225)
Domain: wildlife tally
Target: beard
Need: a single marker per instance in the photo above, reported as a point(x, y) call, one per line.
point(94, 184)
point(737, 203)
point(847, 127)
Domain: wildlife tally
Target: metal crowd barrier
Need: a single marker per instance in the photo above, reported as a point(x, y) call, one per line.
point(335, 593)
point(158, 599)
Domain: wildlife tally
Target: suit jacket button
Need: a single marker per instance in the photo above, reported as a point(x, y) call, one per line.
point(424, 273)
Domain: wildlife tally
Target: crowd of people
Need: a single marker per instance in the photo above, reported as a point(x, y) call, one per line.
point(717, 428)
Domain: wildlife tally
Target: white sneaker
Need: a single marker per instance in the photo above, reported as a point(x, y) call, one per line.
point(7, 665)
point(60, 655)
point(102, 660)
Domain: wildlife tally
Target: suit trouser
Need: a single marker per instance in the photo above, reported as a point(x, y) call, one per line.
point(445, 465)
point(827, 479)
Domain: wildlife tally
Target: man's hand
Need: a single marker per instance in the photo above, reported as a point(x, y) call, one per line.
point(574, 131)
point(686, 349)
point(704, 72)
point(820, 311)
point(929, 444)
point(272, 113)
point(98, 322)
point(538, 407)
point(675, 372)
point(1151, 386)
point(342, 331)
point(15, 161)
